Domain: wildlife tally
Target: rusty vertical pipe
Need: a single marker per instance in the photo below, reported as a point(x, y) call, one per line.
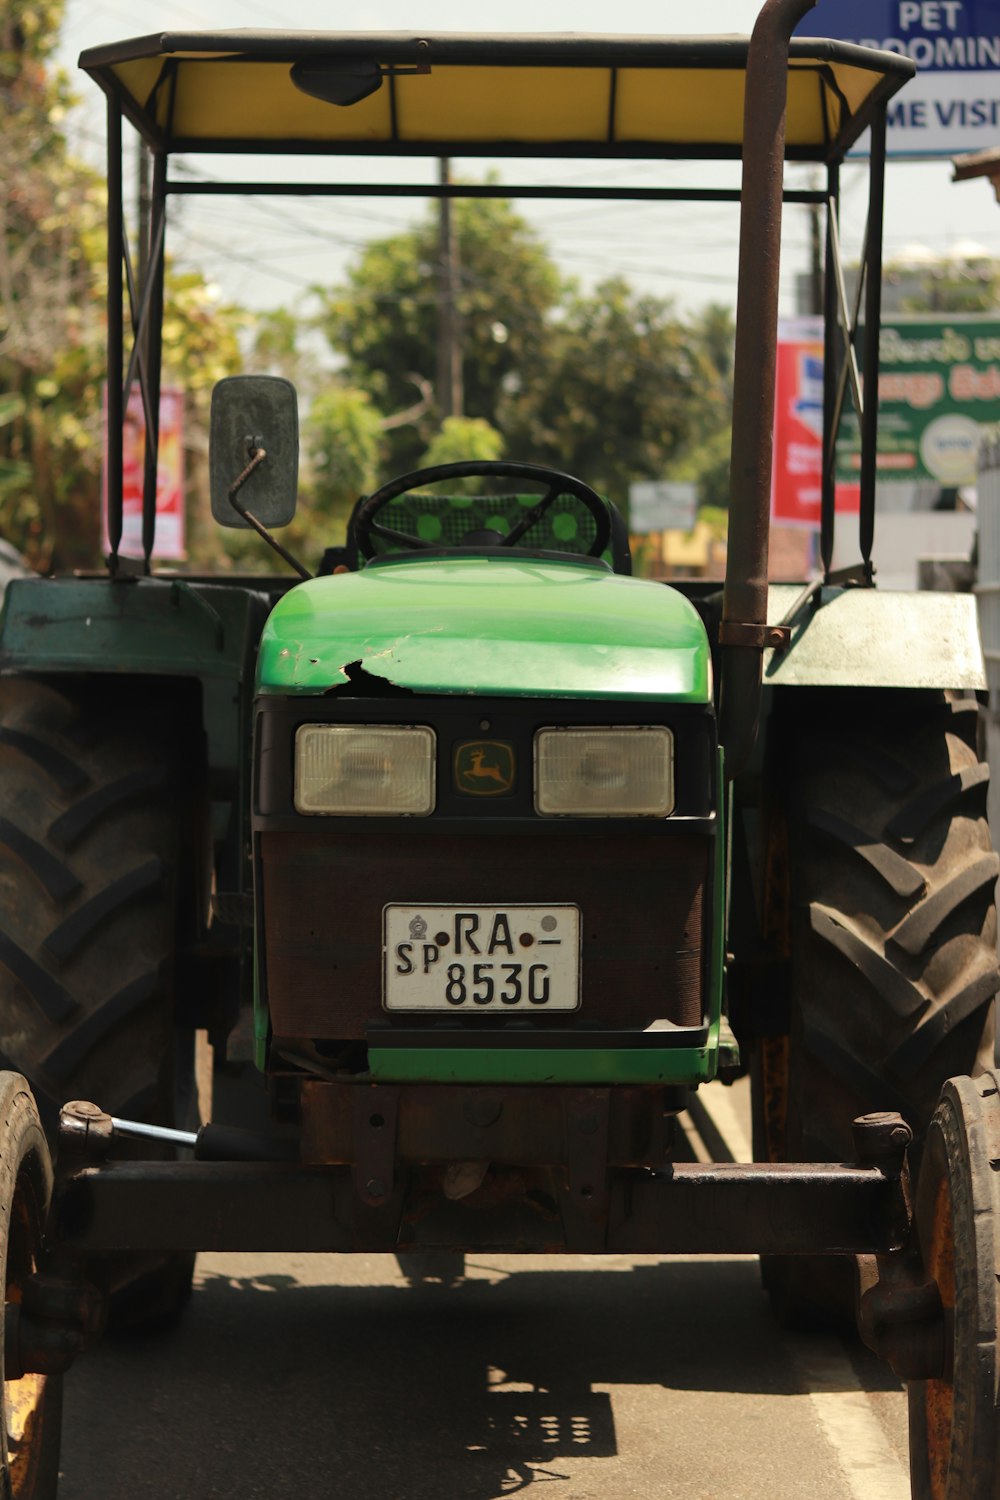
point(745, 596)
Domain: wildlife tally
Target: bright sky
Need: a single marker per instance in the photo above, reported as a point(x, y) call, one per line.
point(674, 250)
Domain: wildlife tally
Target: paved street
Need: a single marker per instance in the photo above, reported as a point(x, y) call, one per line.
point(608, 1377)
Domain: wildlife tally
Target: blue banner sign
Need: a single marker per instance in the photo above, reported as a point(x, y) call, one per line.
point(953, 105)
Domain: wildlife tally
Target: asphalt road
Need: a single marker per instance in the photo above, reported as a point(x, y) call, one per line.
point(610, 1377)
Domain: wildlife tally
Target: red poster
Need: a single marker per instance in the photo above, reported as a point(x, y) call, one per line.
point(796, 486)
point(169, 542)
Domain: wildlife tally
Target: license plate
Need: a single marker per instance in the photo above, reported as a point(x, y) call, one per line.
point(464, 960)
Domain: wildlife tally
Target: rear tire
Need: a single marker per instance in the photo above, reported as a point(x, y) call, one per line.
point(890, 924)
point(91, 812)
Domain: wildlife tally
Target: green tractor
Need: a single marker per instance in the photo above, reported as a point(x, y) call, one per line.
point(486, 853)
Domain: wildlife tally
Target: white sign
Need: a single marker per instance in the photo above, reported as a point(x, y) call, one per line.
point(655, 505)
point(953, 104)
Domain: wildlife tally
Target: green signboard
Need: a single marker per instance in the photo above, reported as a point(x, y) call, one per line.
point(939, 388)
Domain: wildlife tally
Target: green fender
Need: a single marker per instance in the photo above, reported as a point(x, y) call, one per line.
point(860, 637)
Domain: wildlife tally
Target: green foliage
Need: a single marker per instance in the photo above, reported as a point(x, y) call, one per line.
point(200, 334)
point(627, 392)
point(276, 349)
point(28, 33)
point(50, 318)
point(707, 464)
point(13, 473)
point(716, 518)
point(705, 457)
point(461, 438)
point(344, 433)
point(201, 346)
point(52, 321)
point(343, 443)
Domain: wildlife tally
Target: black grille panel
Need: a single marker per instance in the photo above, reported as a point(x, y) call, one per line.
point(641, 898)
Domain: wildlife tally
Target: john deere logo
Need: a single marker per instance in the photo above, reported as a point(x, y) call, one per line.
point(484, 768)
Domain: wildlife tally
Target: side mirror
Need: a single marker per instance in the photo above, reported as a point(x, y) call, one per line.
point(251, 412)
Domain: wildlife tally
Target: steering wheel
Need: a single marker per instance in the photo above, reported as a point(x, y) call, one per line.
point(366, 528)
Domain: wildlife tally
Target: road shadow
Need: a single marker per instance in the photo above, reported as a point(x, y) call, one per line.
point(274, 1388)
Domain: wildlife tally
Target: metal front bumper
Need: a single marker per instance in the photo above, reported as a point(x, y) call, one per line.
point(586, 1201)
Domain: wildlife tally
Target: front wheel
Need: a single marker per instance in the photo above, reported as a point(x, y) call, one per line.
point(954, 1421)
point(32, 1405)
point(954, 1426)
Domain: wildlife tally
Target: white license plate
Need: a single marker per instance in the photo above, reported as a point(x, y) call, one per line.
point(464, 960)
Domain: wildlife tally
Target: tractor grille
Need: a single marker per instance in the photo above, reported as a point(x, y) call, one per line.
point(641, 899)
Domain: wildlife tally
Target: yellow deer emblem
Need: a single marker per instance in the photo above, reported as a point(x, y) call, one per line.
point(484, 768)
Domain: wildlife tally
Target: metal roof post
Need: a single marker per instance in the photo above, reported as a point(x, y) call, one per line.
point(744, 610)
point(150, 370)
point(873, 320)
point(116, 321)
point(832, 395)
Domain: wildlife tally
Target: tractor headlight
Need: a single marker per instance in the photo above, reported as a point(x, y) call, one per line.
point(604, 773)
point(364, 770)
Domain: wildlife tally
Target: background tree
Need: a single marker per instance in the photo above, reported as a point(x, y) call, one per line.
point(201, 345)
point(628, 391)
point(705, 458)
point(50, 314)
point(343, 443)
point(951, 283)
point(383, 319)
point(462, 438)
point(612, 385)
point(52, 321)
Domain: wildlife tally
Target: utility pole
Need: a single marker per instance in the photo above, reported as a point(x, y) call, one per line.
point(450, 396)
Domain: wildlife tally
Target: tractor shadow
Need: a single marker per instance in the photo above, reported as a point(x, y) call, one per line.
point(273, 1386)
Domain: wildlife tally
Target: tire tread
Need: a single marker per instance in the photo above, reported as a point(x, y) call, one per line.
point(87, 930)
point(894, 978)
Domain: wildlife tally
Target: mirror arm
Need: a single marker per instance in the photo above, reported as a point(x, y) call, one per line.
point(258, 456)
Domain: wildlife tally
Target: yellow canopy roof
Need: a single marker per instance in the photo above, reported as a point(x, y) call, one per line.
point(469, 95)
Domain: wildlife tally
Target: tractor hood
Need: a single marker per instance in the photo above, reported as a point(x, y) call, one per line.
point(488, 625)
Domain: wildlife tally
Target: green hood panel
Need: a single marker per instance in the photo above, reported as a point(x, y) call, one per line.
point(489, 626)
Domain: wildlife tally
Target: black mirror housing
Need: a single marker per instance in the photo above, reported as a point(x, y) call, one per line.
point(250, 412)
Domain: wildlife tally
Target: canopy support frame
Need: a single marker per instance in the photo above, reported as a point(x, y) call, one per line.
point(145, 316)
point(842, 370)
